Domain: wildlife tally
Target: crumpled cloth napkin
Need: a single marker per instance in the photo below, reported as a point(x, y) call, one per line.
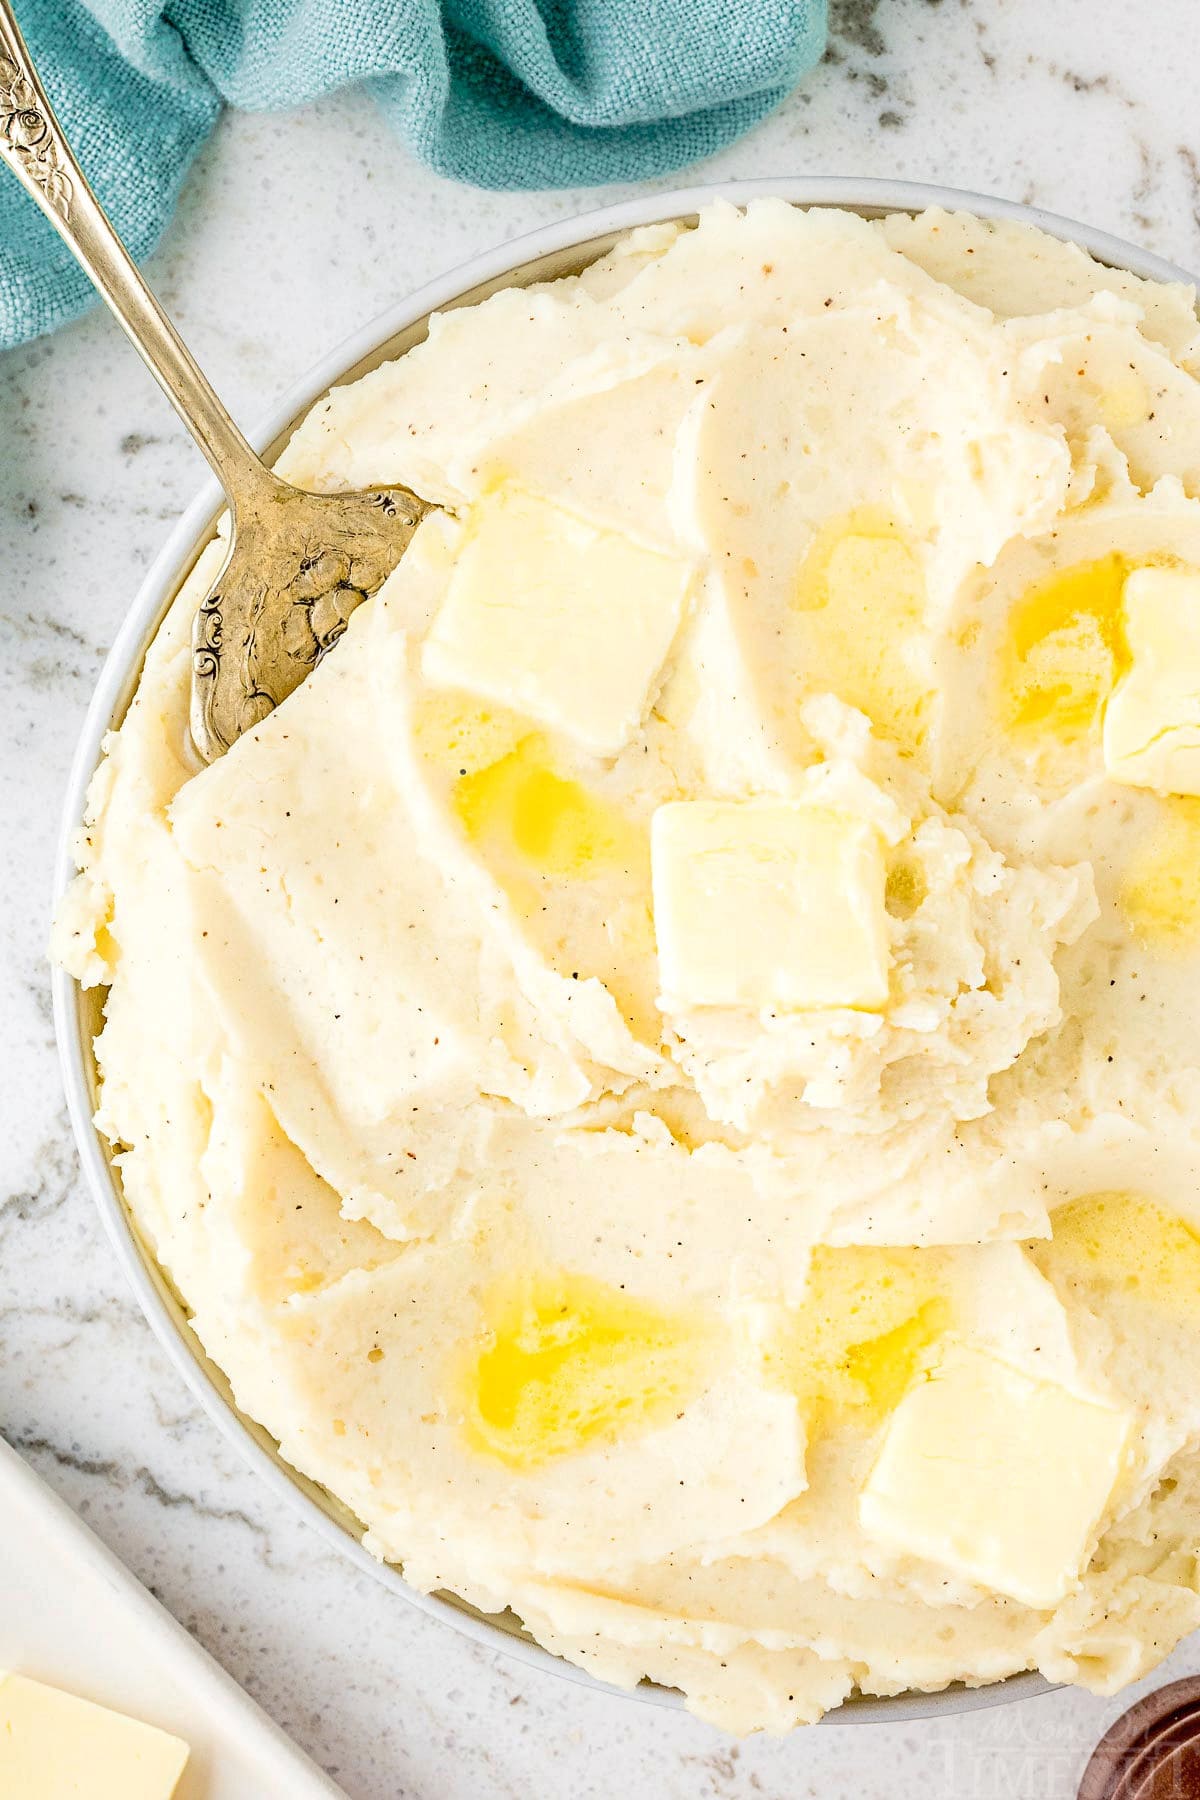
point(500, 93)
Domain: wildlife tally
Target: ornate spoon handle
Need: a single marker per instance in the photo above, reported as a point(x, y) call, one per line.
point(34, 147)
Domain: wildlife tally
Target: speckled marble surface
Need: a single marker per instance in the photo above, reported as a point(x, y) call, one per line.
point(294, 229)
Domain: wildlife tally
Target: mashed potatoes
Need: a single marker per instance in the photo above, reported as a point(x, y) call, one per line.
point(668, 1071)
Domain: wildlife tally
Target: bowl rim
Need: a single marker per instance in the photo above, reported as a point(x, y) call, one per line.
point(161, 1307)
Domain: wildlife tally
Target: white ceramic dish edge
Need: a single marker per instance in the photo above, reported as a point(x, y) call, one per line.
point(165, 1315)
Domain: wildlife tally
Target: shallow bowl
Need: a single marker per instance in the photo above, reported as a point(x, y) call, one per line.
point(558, 249)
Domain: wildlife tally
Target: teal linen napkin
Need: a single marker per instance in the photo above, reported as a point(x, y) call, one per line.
point(500, 93)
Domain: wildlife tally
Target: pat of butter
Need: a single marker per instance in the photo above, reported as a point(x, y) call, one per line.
point(557, 618)
point(995, 1475)
point(768, 903)
point(53, 1745)
point(1152, 722)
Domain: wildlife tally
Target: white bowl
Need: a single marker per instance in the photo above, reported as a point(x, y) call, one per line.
point(541, 255)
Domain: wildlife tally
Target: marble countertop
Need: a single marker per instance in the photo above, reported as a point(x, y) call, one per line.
point(292, 231)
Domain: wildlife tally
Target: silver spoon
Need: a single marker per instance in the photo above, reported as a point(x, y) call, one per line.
point(298, 563)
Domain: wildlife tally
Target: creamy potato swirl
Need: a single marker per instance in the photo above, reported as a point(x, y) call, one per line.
point(619, 1307)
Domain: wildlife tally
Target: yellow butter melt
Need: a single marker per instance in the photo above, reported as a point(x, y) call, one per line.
point(1126, 1243)
point(553, 824)
point(867, 1320)
point(860, 603)
point(1159, 894)
point(1064, 650)
point(569, 1362)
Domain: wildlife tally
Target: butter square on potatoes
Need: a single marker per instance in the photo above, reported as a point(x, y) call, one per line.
point(53, 1744)
point(557, 618)
point(995, 1475)
point(768, 903)
point(1152, 721)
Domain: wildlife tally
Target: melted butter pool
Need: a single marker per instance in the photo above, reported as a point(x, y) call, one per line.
point(552, 824)
point(570, 1362)
point(860, 603)
point(1127, 1244)
point(1159, 894)
point(573, 863)
point(1064, 650)
point(860, 1334)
